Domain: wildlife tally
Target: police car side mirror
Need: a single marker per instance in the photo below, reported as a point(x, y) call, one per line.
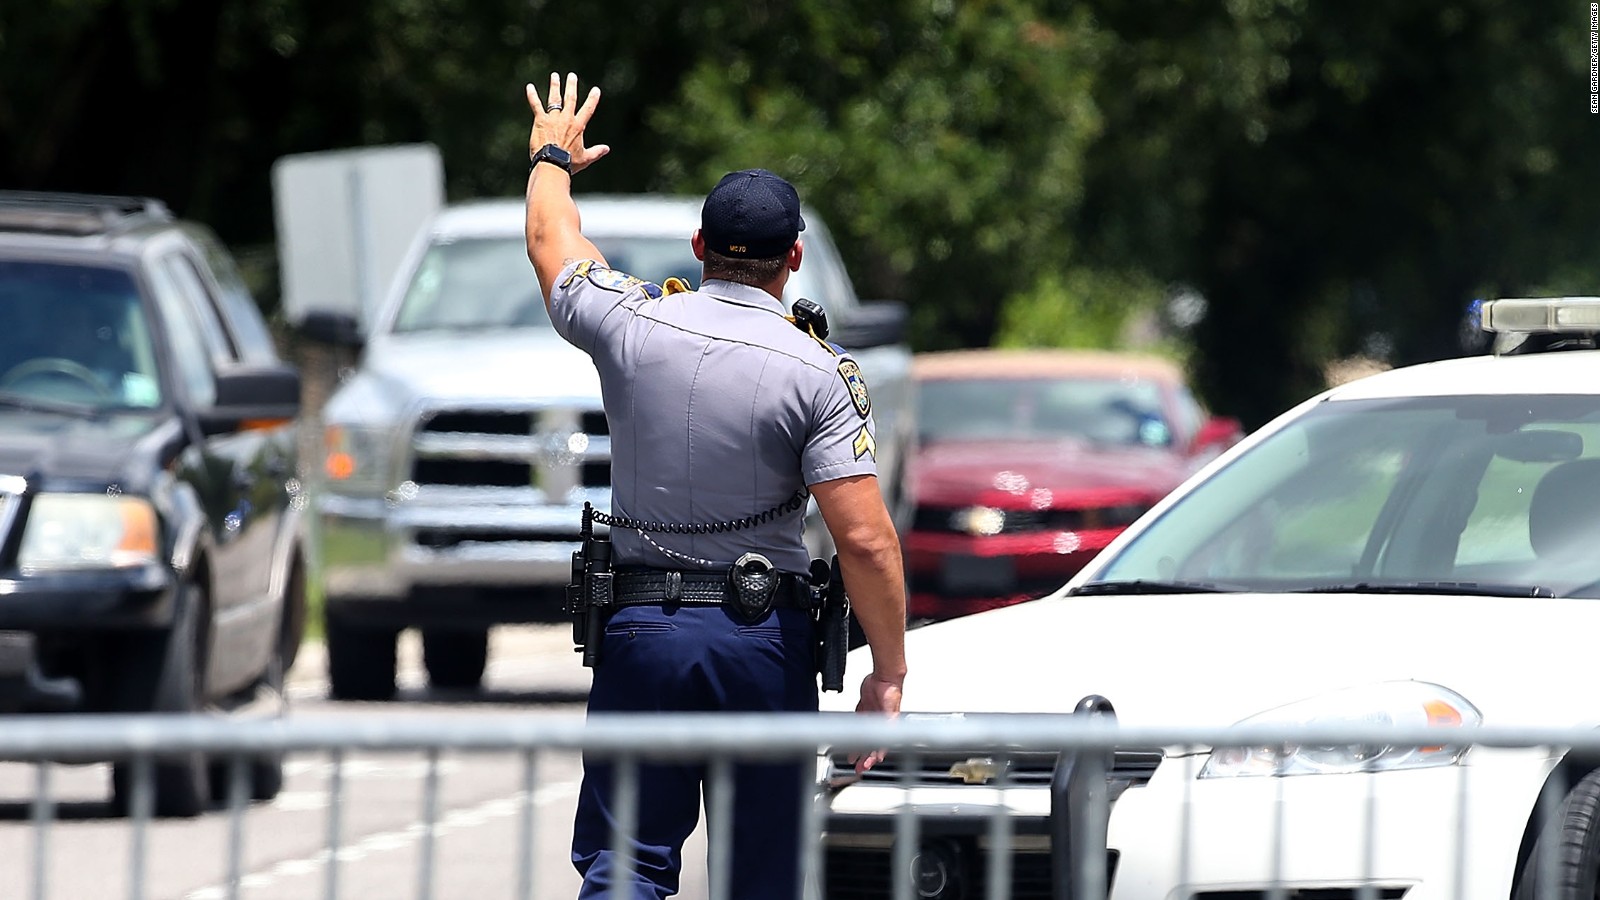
point(872, 324)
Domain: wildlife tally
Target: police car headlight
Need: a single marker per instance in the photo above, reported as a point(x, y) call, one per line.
point(354, 457)
point(1400, 703)
point(88, 531)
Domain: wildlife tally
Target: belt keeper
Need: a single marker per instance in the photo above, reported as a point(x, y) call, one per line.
point(674, 586)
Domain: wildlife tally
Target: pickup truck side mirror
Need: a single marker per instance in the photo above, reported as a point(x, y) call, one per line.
point(338, 329)
point(252, 396)
point(872, 324)
point(1218, 433)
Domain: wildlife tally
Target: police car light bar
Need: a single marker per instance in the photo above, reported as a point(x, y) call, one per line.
point(1545, 314)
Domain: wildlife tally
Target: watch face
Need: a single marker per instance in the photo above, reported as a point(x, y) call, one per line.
point(552, 153)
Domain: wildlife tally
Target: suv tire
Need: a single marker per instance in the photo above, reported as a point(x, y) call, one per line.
point(455, 659)
point(265, 770)
point(361, 660)
point(163, 672)
point(294, 615)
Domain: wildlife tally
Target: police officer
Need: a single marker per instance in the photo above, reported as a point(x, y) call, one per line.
point(720, 409)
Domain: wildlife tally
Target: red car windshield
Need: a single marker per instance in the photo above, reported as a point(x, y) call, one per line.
point(1103, 411)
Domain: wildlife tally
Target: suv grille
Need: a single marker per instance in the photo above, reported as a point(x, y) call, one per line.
point(10, 487)
point(551, 450)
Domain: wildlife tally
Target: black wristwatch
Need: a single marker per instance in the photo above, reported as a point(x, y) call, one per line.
point(552, 154)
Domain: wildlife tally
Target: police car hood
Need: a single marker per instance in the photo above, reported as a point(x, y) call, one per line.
point(1211, 660)
point(483, 366)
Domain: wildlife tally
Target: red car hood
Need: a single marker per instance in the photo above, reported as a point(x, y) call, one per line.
point(961, 472)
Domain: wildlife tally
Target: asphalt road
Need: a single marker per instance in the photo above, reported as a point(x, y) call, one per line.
point(532, 672)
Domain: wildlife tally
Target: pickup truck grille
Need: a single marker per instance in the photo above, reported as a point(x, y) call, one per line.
point(551, 450)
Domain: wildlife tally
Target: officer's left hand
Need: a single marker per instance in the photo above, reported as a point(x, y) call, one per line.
point(563, 122)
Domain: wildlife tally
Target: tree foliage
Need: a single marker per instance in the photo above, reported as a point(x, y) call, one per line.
point(1331, 180)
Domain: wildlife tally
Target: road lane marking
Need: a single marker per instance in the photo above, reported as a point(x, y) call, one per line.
point(398, 839)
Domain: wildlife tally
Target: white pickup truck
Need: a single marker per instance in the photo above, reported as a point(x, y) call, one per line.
point(458, 454)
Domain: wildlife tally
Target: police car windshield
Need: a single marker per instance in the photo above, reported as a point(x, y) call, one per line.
point(1472, 491)
point(1099, 410)
point(488, 283)
point(74, 337)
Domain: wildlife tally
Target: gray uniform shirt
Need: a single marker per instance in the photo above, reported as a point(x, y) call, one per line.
point(719, 409)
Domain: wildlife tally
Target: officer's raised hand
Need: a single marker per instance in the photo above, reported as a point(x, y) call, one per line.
point(562, 122)
point(555, 151)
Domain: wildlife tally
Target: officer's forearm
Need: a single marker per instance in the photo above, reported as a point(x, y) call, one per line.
point(554, 231)
point(875, 581)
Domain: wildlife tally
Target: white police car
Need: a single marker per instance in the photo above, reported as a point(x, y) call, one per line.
point(1419, 546)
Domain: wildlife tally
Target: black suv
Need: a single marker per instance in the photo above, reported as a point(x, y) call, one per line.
point(150, 548)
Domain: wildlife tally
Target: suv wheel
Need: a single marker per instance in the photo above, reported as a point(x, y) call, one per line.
point(163, 673)
point(294, 614)
point(265, 770)
point(455, 659)
point(361, 660)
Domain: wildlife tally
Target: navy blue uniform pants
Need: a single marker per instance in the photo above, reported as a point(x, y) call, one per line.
point(698, 659)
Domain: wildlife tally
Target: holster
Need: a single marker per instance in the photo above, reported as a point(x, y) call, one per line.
point(590, 595)
point(832, 618)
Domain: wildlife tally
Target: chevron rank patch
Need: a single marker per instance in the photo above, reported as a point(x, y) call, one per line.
point(864, 444)
point(851, 373)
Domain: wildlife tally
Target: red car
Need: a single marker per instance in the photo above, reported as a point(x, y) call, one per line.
point(1030, 462)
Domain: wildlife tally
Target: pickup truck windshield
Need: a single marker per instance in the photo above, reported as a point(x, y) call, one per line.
point(488, 283)
point(76, 335)
point(1500, 492)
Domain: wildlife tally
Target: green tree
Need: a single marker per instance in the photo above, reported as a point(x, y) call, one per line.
point(1371, 169)
point(944, 141)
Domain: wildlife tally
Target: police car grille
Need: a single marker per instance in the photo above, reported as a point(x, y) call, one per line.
point(1132, 767)
point(867, 873)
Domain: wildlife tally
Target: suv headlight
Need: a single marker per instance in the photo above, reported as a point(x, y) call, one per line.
point(353, 457)
point(1403, 703)
point(88, 531)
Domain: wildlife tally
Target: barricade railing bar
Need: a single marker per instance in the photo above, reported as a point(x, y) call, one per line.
point(923, 856)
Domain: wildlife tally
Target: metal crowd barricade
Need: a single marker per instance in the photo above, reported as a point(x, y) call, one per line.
point(1088, 742)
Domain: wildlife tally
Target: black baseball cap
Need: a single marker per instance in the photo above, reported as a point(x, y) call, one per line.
point(752, 214)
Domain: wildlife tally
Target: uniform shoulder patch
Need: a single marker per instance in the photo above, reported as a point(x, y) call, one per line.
point(851, 373)
point(611, 279)
point(581, 270)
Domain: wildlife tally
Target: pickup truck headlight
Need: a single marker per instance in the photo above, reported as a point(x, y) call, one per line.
point(88, 531)
point(1404, 703)
point(353, 457)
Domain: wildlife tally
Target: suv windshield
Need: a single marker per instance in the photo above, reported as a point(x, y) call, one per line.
point(1499, 492)
point(488, 283)
point(75, 334)
point(1103, 411)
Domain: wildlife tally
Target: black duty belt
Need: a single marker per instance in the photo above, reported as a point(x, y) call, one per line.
point(642, 586)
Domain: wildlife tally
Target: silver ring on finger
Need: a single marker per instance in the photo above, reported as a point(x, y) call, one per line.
point(555, 108)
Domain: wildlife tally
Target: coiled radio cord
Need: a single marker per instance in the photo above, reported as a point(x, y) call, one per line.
point(794, 503)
